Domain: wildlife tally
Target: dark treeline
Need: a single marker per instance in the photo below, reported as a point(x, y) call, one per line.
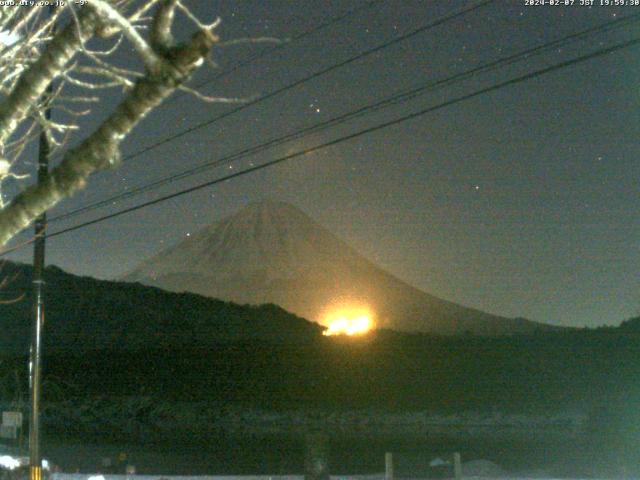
point(594, 372)
point(111, 338)
point(577, 370)
point(107, 340)
point(84, 314)
point(547, 372)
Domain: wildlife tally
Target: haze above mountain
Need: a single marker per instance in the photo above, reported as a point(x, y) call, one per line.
point(272, 252)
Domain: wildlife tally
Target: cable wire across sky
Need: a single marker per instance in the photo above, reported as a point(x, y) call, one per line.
point(319, 73)
point(395, 99)
point(280, 46)
point(497, 86)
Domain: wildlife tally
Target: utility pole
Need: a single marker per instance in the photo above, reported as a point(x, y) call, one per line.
point(35, 458)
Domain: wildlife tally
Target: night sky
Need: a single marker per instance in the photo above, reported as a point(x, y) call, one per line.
point(520, 202)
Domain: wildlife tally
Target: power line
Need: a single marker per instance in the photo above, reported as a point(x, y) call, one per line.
point(299, 36)
point(380, 126)
point(308, 78)
point(392, 100)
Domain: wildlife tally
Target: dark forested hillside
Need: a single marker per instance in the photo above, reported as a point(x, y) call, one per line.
point(121, 339)
point(139, 352)
point(544, 373)
point(85, 314)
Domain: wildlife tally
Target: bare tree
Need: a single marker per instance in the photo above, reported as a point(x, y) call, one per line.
point(61, 61)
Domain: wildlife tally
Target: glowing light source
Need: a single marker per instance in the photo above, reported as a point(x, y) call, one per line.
point(8, 462)
point(348, 322)
point(11, 463)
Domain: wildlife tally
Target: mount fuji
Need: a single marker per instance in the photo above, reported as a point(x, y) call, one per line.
point(272, 252)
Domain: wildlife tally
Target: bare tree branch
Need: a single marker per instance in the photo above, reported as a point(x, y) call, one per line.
point(161, 38)
point(101, 149)
point(250, 40)
point(35, 80)
point(210, 99)
point(106, 11)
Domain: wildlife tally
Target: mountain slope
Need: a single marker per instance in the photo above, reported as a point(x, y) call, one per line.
point(85, 314)
point(271, 252)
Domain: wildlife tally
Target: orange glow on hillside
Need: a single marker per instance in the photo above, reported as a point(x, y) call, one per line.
point(348, 322)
